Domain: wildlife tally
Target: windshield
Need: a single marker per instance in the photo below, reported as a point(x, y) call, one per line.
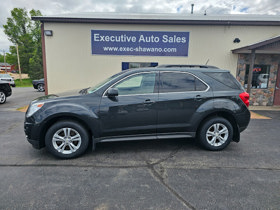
point(5, 76)
point(99, 85)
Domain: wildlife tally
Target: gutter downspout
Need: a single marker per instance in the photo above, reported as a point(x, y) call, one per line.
point(44, 58)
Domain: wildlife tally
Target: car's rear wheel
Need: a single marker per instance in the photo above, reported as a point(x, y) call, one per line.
point(215, 134)
point(2, 97)
point(67, 139)
point(41, 87)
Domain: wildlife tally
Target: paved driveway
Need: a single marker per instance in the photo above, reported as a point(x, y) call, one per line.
point(169, 174)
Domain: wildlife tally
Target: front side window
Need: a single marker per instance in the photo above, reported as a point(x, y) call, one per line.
point(137, 84)
point(179, 82)
point(260, 76)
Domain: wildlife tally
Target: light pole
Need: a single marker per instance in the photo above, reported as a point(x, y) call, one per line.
point(5, 61)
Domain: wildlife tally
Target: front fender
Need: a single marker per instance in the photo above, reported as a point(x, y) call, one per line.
point(46, 117)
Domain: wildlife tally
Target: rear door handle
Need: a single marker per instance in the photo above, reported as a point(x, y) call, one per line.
point(198, 98)
point(148, 101)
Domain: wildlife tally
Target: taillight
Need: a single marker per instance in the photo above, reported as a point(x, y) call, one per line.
point(245, 98)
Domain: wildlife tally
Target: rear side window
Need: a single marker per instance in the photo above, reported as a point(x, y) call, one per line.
point(199, 86)
point(225, 78)
point(179, 82)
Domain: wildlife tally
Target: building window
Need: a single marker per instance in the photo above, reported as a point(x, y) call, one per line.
point(131, 65)
point(260, 76)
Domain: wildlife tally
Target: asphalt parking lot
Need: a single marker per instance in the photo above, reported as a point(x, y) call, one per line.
point(169, 174)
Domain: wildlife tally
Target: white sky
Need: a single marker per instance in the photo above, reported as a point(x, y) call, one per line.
point(213, 7)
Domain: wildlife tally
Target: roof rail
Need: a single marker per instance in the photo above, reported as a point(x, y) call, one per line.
point(186, 66)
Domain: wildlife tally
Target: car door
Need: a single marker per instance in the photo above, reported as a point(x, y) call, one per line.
point(180, 94)
point(133, 111)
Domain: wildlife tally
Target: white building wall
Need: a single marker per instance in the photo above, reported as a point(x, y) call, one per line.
point(70, 64)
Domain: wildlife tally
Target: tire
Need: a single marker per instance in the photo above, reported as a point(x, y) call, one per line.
point(59, 145)
point(215, 134)
point(2, 97)
point(41, 87)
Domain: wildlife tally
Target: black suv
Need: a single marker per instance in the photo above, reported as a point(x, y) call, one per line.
point(5, 91)
point(140, 104)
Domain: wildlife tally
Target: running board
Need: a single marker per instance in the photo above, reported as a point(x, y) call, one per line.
point(146, 137)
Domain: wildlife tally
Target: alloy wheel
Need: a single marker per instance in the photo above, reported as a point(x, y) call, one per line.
point(41, 88)
point(66, 141)
point(2, 97)
point(217, 134)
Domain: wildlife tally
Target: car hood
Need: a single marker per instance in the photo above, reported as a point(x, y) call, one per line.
point(55, 99)
point(43, 98)
point(64, 96)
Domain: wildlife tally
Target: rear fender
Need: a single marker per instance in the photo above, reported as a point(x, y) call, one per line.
point(217, 107)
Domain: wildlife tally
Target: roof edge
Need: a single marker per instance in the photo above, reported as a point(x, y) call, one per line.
point(157, 21)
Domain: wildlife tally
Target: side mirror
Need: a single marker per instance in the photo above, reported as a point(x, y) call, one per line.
point(112, 92)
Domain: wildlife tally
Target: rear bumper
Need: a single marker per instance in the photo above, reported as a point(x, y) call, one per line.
point(243, 120)
point(8, 93)
point(34, 143)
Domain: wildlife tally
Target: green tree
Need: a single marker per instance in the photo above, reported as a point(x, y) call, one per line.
point(11, 59)
point(26, 34)
point(36, 62)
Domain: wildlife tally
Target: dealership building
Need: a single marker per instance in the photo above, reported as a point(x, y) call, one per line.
point(80, 50)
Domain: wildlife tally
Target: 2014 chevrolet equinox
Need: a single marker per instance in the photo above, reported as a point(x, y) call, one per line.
point(140, 104)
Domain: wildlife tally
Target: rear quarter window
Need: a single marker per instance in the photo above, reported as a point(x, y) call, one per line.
point(179, 82)
point(225, 78)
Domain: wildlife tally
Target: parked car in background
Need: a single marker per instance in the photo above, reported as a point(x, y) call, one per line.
point(5, 91)
point(7, 78)
point(39, 85)
point(141, 104)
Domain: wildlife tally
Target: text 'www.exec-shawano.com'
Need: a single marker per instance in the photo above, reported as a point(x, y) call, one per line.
point(139, 49)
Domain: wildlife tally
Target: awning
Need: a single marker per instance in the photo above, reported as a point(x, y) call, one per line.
point(269, 46)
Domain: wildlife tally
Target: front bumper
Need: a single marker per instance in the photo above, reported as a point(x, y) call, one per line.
point(32, 133)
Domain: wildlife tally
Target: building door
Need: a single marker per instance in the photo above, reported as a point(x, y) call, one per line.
point(277, 89)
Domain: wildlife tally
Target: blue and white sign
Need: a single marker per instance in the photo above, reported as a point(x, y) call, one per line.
point(143, 43)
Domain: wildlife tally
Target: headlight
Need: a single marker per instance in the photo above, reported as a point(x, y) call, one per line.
point(34, 108)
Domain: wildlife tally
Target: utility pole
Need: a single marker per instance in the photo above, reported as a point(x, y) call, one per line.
point(5, 61)
point(19, 70)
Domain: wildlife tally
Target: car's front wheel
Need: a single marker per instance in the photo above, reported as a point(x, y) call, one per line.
point(67, 139)
point(215, 134)
point(41, 87)
point(2, 97)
